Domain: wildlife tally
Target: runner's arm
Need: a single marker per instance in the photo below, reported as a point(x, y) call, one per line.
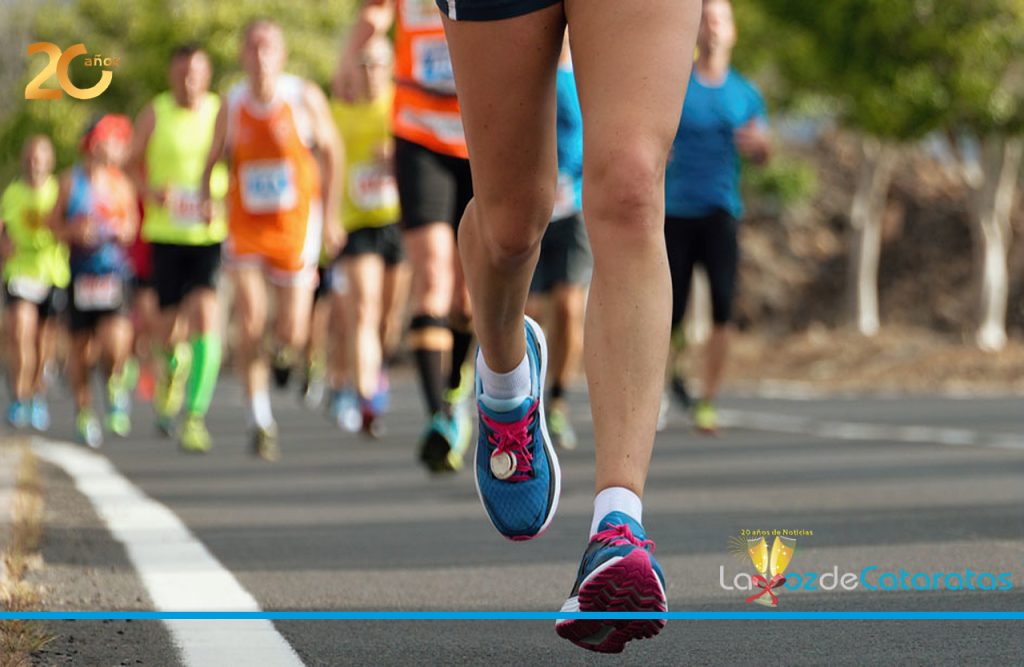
point(217, 148)
point(144, 125)
point(375, 18)
point(62, 228)
point(331, 154)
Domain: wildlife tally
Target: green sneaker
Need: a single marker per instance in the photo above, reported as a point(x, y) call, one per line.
point(118, 422)
point(87, 429)
point(705, 417)
point(560, 428)
point(170, 387)
point(194, 436)
point(264, 443)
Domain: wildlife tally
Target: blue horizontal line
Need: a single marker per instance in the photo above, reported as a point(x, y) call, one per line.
point(515, 615)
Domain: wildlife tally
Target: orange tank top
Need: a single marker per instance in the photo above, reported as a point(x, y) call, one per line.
point(274, 175)
point(426, 110)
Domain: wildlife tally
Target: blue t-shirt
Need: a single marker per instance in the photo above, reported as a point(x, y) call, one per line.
point(569, 197)
point(108, 257)
point(704, 168)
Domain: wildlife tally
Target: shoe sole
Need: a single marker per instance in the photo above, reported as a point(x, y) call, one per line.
point(549, 448)
point(627, 584)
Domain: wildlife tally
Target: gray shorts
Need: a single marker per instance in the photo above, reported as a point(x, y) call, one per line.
point(565, 257)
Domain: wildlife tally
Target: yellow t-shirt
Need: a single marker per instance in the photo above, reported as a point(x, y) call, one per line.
point(38, 256)
point(371, 194)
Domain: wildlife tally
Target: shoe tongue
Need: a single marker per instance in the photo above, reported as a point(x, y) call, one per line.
point(619, 519)
point(505, 411)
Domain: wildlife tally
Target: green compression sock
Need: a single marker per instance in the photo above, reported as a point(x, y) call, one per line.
point(206, 351)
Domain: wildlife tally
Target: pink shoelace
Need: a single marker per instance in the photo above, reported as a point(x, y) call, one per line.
point(513, 438)
point(620, 534)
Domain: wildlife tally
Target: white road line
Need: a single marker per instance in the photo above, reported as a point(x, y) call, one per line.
point(956, 437)
point(179, 573)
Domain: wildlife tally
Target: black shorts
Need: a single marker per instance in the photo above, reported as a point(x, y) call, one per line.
point(490, 10)
point(384, 241)
point(432, 187)
point(51, 306)
point(710, 241)
point(84, 316)
point(565, 257)
point(180, 269)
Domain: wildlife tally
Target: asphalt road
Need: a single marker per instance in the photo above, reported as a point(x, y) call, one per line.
point(342, 523)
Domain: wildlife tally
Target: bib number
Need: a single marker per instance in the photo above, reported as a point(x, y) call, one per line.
point(183, 205)
point(93, 293)
point(268, 186)
point(33, 291)
point(432, 66)
point(565, 198)
point(372, 186)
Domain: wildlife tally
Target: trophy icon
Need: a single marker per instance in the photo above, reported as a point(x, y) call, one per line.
point(771, 568)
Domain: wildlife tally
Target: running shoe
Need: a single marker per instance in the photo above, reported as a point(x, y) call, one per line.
point(563, 435)
point(118, 419)
point(284, 360)
point(439, 450)
point(382, 397)
point(194, 436)
point(264, 443)
point(314, 386)
point(343, 410)
point(662, 422)
point(371, 425)
point(680, 393)
point(618, 573)
point(705, 417)
point(165, 425)
point(18, 414)
point(517, 474)
point(169, 393)
point(87, 429)
point(118, 422)
point(39, 415)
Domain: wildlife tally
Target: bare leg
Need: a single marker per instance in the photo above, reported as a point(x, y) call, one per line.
point(512, 149)
point(567, 323)
point(115, 337)
point(251, 318)
point(46, 343)
point(715, 356)
point(366, 275)
point(294, 305)
point(632, 63)
point(81, 363)
point(22, 326)
point(393, 302)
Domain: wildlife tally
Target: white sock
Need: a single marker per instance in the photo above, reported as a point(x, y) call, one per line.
point(616, 499)
point(259, 409)
point(504, 386)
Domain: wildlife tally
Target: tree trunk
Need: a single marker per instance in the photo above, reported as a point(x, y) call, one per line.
point(991, 204)
point(873, 180)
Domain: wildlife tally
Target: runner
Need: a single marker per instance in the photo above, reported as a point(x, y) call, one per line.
point(373, 255)
point(285, 159)
point(434, 186)
point(631, 62)
point(723, 120)
point(564, 267)
point(97, 216)
point(318, 350)
point(35, 277)
point(172, 139)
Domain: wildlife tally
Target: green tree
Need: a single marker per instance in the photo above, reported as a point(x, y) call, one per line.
point(142, 34)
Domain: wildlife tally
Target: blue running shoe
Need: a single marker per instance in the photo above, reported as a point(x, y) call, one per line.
point(517, 475)
point(618, 573)
point(40, 414)
point(18, 414)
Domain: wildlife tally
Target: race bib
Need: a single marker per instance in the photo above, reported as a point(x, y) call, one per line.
point(565, 198)
point(33, 291)
point(421, 14)
point(432, 66)
point(372, 186)
point(268, 186)
point(183, 205)
point(98, 292)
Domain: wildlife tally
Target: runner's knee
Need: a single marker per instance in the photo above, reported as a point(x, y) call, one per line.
point(623, 195)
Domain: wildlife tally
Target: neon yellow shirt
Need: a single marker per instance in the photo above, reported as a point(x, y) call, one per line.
point(38, 256)
point(175, 158)
point(371, 195)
